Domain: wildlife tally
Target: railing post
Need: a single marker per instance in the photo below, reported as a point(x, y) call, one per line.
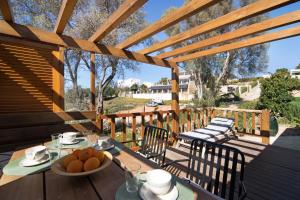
point(253, 123)
point(265, 126)
point(236, 120)
point(123, 129)
point(189, 120)
point(159, 120)
point(244, 122)
point(143, 126)
point(133, 127)
point(168, 121)
point(151, 119)
point(113, 127)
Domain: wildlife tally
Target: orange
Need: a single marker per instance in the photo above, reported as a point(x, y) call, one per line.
point(68, 159)
point(75, 166)
point(83, 155)
point(76, 153)
point(91, 151)
point(100, 155)
point(91, 163)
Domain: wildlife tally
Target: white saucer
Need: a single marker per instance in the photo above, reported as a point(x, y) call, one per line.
point(146, 194)
point(105, 147)
point(64, 142)
point(31, 163)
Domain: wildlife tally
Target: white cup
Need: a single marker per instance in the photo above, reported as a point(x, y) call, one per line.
point(159, 181)
point(67, 137)
point(102, 141)
point(35, 153)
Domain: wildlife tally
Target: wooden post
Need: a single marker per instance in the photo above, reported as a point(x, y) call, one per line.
point(92, 83)
point(58, 80)
point(123, 129)
point(236, 120)
point(265, 126)
point(189, 120)
point(133, 127)
point(175, 100)
point(113, 127)
point(159, 120)
point(168, 121)
point(244, 121)
point(253, 123)
point(151, 119)
point(143, 126)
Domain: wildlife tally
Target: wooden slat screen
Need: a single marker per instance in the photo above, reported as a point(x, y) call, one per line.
point(25, 78)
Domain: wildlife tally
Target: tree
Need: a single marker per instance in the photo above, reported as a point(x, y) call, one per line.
point(163, 81)
point(86, 18)
point(298, 66)
point(276, 92)
point(134, 87)
point(210, 72)
point(144, 88)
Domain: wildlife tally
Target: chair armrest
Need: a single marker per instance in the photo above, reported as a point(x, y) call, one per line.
point(174, 161)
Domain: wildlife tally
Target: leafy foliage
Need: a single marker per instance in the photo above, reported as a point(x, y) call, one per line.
point(276, 92)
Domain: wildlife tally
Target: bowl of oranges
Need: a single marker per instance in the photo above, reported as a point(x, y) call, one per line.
point(82, 162)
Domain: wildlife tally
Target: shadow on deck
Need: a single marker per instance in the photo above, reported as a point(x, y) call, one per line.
point(271, 171)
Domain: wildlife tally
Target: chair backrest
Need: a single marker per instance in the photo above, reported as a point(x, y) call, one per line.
point(217, 168)
point(154, 143)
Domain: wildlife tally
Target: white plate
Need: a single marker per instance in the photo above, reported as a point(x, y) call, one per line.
point(105, 147)
point(31, 163)
point(146, 194)
point(69, 142)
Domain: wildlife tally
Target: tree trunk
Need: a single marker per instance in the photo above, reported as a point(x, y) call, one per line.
point(100, 107)
point(223, 74)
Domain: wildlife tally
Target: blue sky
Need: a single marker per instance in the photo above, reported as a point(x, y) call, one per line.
point(283, 53)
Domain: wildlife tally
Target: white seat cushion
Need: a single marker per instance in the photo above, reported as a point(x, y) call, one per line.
point(216, 138)
point(222, 121)
point(222, 129)
point(207, 131)
point(194, 135)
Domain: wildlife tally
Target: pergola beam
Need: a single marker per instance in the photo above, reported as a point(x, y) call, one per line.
point(6, 11)
point(34, 34)
point(279, 35)
point(120, 15)
point(245, 12)
point(64, 15)
point(182, 13)
point(266, 25)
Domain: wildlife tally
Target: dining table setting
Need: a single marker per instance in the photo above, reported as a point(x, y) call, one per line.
point(76, 166)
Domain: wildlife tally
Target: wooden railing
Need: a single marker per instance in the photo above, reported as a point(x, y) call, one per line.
point(22, 128)
point(120, 126)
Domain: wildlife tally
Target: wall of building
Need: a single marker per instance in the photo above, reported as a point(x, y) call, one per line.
point(26, 79)
point(164, 96)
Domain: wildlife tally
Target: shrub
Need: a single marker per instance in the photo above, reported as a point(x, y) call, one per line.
point(251, 105)
point(276, 92)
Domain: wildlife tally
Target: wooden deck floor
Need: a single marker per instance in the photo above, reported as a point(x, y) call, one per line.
point(271, 172)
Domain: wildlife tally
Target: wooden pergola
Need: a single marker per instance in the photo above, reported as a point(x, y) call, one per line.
point(12, 32)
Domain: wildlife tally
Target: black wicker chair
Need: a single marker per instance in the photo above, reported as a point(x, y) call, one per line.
point(154, 144)
point(217, 168)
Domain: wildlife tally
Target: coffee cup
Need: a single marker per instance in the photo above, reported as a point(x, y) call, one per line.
point(35, 153)
point(68, 137)
point(159, 181)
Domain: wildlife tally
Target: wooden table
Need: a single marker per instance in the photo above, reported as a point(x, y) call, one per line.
point(102, 185)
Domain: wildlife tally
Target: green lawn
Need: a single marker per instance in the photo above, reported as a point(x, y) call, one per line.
point(121, 103)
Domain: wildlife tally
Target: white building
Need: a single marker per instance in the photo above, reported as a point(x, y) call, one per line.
point(187, 90)
point(295, 73)
point(128, 82)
